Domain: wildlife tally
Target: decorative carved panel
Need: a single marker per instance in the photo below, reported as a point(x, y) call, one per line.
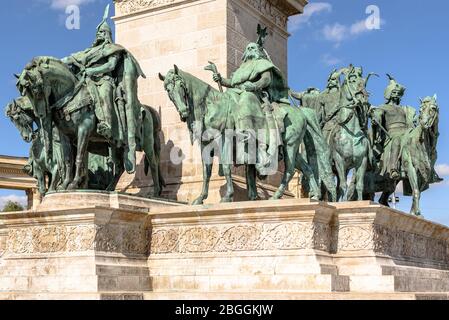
point(127, 239)
point(131, 6)
point(241, 237)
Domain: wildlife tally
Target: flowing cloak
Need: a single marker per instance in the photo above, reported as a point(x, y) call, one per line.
point(252, 70)
point(329, 102)
point(382, 143)
point(125, 75)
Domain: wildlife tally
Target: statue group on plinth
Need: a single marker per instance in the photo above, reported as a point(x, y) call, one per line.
point(85, 124)
point(84, 119)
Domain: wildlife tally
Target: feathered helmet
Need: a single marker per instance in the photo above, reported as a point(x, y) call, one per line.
point(104, 26)
point(262, 34)
point(393, 86)
point(355, 71)
point(335, 74)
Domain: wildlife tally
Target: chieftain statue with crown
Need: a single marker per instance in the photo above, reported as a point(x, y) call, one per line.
point(257, 86)
point(111, 74)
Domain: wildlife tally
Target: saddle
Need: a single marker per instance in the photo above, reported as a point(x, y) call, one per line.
point(74, 102)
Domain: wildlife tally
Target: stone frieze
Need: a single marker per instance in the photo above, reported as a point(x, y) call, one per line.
point(241, 237)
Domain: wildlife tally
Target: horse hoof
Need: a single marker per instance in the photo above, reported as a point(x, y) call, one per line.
point(227, 200)
point(197, 202)
point(418, 214)
point(72, 186)
point(276, 196)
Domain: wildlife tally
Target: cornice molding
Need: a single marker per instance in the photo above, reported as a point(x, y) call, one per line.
point(287, 7)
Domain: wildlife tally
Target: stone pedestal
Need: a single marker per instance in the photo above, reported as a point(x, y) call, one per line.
point(125, 247)
point(77, 246)
point(190, 33)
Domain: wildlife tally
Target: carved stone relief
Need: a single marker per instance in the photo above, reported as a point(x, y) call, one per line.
point(62, 238)
point(242, 237)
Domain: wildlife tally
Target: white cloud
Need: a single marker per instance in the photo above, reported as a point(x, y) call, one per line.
point(335, 33)
point(63, 4)
point(296, 22)
point(330, 60)
point(338, 32)
point(442, 169)
point(20, 199)
point(358, 27)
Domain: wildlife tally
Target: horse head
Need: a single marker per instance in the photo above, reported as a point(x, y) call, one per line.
point(17, 113)
point(428, 112)
point(45, 80)
point(176, 88)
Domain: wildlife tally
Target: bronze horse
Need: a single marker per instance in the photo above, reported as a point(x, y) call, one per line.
point(47, 81)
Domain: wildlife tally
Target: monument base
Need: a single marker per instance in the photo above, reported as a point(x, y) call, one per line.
point(90, 245)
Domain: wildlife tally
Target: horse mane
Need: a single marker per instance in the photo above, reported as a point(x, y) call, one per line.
point(199, 109)
point(44, 62)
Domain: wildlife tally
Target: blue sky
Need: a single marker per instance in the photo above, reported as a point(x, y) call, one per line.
point(411, 44)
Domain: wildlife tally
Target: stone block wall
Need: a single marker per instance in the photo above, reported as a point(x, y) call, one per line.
point(190, 33)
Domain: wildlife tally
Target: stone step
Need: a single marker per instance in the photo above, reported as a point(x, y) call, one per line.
point(291, 282)
point(188, 295)
point(49, 283)
point(411, 284)
point(75, 283)
point(295, 296)
point(282, 269)
point(415, 272)
point(73, 270)
point(397, 284)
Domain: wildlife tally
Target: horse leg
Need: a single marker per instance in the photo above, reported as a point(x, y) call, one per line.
point(207, 173)
point(226, 163)
point(54, 178)
point(229, 196)
point(331, 187)
point(341, 172)
point(154, 167)
point(291, 151)
point(351, 187)
point(414, 184)
point(383, 200)
point(84, 130)
point(308, 172)
point(360, 176)
point(40, 177)
point(68, 162)
point(251, 182)
point(117, 159)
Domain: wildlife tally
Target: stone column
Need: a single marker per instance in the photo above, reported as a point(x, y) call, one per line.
point(190, 33)
point(34, 198)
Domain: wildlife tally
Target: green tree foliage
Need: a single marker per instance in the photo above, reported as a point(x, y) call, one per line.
point(11, 206)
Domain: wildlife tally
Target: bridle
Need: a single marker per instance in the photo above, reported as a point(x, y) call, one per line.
point(427, 106)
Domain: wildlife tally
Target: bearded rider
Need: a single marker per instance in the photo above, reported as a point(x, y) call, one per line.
point(330, 101)
point(390, 124)
point(257, 84)
point(108, 67)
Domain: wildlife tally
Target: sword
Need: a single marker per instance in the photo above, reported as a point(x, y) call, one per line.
point(381, 127)
point(212, 67)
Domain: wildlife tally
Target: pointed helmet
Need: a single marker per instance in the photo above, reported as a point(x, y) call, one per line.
point(392, 86)
point(104, 26)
